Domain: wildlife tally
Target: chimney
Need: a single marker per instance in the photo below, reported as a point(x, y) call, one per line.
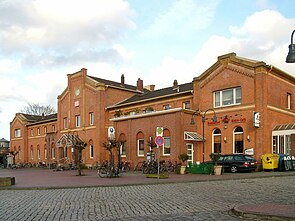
point(150, 87)
point(139, 84)
point(175, 83)
point(122, 79)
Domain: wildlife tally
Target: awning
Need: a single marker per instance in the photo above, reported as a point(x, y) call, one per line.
point(69, 140)
point(284, 127)
point(192, 136)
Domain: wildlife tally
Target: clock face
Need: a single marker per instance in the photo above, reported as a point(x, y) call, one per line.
point(77, 92)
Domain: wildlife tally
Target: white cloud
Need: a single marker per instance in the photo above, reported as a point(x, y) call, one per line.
point(48, 31)
point(263, 36)
point(181, 18)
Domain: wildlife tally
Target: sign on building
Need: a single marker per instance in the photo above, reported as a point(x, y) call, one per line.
point(111, 132)
point(159, 131)
point(256, 119)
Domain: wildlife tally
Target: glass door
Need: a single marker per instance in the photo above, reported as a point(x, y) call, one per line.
point(190, 152)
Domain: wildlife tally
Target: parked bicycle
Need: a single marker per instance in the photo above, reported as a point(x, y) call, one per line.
point(125, 166)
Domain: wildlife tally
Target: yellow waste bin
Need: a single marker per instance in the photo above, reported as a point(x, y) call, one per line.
point(270, 161)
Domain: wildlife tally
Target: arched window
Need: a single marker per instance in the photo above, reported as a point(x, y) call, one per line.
point(140, 144)
point(216, 141)
point(122, 140)
point(238, 140)
point(166, 146)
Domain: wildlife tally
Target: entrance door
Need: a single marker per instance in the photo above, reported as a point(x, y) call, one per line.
point(190, 152)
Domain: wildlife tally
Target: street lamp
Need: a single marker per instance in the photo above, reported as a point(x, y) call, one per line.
point(214, 119)
point(291, 55)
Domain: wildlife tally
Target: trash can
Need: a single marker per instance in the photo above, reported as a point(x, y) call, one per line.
point(207, 168)
point(270, 161)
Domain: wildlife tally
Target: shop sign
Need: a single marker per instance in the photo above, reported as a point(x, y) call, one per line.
point(256, 119)
point(249, 151)
point(111, 132)
point(212, 123)
point(239, 120)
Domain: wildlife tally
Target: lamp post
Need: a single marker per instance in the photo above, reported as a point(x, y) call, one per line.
point(203, 124)
point(291, 55)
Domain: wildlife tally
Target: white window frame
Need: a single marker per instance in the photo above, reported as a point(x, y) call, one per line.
point(32, 154)
point(234, 140)
point(213, 139)
point(52, 153)
point(91, 118)
point(220, 93)
point(186, 105)
point(138, 145)
point(121, 150)
point(78, 120)
point(163, 146)
point(38, 154)
point(32, 132)
point(38, 131)
point(91, 151)
point(65, 123)
point(17, 132)
point(288, 101)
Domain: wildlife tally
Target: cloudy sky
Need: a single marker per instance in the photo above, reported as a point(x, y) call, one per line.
point(41, 41)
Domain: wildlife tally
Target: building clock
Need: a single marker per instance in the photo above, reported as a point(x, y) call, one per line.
point(77, 92)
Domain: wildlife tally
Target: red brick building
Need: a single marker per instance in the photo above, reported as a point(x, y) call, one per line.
point(253, 103)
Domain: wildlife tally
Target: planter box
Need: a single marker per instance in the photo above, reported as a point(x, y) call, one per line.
point(7, 181)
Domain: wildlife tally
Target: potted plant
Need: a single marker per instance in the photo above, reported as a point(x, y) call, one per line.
point(183, 157)
point(217, 168)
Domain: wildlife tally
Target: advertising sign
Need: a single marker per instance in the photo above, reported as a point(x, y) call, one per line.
point(256, 119)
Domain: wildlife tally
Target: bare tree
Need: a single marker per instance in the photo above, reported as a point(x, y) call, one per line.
point(37, 109)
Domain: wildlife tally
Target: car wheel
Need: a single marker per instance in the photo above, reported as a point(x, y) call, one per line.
point(233, 169)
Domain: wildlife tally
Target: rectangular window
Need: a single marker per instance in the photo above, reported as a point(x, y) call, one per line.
point(53, 128)
point(91, 118)
point(32, 132)
point(32, 154)
point(38, 130)
point(45, 130)
point(17, 133)
point(91, 151)
point(227, 97)
point(166, 146)
point(289, 101)
point(186, 105)
point(65, 123)
point(166, 107)
point(140, 147)
point(78, 121)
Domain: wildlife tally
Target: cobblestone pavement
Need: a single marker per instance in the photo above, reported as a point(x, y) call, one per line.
point(207, 200)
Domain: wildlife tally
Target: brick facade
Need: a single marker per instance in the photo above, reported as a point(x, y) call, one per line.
point(264, 89)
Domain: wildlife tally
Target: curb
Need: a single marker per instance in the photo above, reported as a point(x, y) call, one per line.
point(237, 211)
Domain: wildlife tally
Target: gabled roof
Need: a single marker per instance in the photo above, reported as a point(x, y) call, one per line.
point(115, 84)
point(157, 94)
point(34, 119)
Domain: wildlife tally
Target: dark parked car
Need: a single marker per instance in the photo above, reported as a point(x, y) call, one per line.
point(237, 162)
